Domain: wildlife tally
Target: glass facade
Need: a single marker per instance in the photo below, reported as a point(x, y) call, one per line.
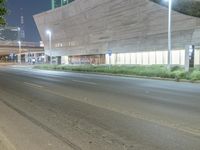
point(59, 3)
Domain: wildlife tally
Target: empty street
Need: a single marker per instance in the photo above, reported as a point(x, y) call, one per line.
point(64, 110)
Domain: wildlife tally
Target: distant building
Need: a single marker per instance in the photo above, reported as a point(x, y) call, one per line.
point(134, 31)
point(11, 48)
point(22, 31)
point(9, 33)
point(59, 3)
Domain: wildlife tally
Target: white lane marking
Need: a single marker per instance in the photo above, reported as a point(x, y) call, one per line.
point(85, 82)
point(33, 85)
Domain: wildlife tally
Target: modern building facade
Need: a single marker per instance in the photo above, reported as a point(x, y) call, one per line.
point(134, 31)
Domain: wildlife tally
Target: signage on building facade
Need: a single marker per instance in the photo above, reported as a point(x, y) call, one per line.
point(109, 52)
point(191, 56)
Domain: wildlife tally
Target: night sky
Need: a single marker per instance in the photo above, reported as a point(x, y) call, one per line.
point(30, 7)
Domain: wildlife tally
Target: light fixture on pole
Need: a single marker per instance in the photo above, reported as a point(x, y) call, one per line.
point(48, 32)
point(19, 55)
point(169, 34)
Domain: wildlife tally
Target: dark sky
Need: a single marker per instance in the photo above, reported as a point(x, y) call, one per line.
point(30, 7)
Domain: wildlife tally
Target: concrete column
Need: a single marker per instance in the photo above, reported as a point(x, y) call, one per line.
point(136, 57)
point(35, 56)
point(26, 58)
point(180, 57)
point(141, 58)
point(19, 58)
point(163, 57)
point(155, 58)
point(187, 58)
point(199, 57)
point(45, 58)
point(148, 58)
point(116, 58)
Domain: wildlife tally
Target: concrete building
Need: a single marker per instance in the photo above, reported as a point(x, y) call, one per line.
point(135, 31)
point(59, 3)
point(12, 49)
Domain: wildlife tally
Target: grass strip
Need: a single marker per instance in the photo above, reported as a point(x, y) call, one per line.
point(177, 72)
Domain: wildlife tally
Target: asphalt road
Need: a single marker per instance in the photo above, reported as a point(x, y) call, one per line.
point(98, 112)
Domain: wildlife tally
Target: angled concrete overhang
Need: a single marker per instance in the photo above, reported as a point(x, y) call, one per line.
point(94, 26)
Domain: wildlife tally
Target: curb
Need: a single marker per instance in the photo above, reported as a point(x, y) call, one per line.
point(139, 77)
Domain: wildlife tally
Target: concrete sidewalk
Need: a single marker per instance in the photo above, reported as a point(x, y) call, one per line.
point(5, 143)
point(19, 133)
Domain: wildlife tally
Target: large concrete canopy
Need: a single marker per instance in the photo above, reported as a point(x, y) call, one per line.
point(93, 26)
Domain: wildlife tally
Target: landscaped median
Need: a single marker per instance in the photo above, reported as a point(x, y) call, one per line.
point(157, 71)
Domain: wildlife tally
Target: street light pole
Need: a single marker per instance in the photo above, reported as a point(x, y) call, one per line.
point(49, 35)
point(169, 34)
point(19, 43)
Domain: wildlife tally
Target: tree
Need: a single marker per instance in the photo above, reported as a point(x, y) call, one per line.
point(3, 12)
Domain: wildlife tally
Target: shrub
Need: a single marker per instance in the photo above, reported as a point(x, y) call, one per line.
point(195, 75)
point(175, 68)
point(176, 72)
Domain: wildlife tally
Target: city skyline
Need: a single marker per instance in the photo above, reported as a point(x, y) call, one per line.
point(30, 8)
